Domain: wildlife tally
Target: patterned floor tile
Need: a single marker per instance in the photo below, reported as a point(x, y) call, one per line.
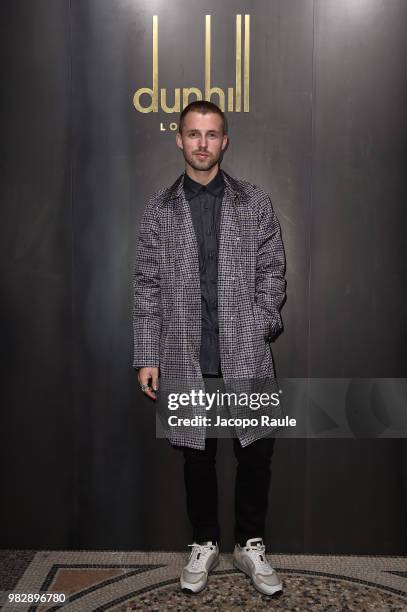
point(125, 581)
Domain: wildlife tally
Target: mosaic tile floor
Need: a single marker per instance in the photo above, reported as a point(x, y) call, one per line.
point(116, 581)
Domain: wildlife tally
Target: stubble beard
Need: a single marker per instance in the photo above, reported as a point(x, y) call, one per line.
point(204, 164)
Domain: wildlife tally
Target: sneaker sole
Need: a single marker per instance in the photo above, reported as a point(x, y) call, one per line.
point(273, 590)
point(190, 590)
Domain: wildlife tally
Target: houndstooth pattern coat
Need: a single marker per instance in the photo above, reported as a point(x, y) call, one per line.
point(167, 297)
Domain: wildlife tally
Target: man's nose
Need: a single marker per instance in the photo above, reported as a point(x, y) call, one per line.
point(203, 142)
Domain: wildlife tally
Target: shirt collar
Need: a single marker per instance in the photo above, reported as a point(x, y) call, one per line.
point(214, 187)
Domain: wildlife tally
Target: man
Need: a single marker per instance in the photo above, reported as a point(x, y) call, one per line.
point(208, 288)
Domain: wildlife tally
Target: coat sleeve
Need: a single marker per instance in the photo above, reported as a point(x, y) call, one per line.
point(270, 280)
point(146, 291)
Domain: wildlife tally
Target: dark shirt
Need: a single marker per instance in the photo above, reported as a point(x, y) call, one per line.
point(205, 203)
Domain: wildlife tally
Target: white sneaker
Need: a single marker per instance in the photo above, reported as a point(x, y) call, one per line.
point(251, 559)
point(203, 558)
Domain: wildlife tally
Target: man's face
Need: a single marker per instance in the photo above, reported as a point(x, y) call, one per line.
point(202, 140)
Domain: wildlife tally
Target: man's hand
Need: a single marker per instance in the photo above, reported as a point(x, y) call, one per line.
point(144, 376)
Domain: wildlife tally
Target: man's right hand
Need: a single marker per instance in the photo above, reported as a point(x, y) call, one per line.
point(145, 375)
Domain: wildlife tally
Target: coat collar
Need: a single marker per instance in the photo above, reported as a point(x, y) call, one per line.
point(232, 187)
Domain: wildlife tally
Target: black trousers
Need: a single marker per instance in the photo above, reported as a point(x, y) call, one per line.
point(252, 485)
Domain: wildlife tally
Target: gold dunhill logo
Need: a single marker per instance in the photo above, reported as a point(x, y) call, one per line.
point(233, 97)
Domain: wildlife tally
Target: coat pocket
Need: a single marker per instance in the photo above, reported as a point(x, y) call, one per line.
point(262, 322)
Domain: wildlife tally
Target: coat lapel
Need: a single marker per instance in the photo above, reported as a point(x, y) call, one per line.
point(187, 246)
point(185, 238)
point(229, 245)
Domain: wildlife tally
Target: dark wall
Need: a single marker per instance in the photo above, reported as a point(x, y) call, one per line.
point(325, 136)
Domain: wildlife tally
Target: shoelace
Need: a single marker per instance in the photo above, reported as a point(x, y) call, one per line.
point(198, 555)
point(259, 559)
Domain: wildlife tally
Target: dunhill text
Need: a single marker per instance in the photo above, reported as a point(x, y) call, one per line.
point(231, 100)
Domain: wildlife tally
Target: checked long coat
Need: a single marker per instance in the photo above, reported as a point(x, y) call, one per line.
point(167, 296)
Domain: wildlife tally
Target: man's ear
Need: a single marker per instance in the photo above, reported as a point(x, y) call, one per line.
point(178, 140)
point(225, 142)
